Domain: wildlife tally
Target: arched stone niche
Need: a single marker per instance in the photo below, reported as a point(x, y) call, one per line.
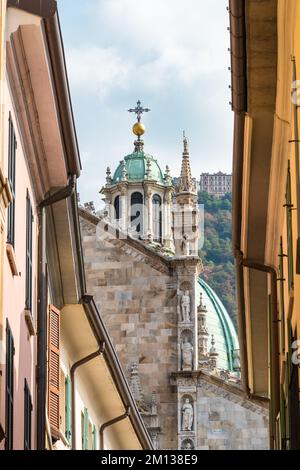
point(187, 349)
point(185, 302)
point(187, 413)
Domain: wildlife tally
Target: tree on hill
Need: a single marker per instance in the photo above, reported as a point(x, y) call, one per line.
point(216, 253)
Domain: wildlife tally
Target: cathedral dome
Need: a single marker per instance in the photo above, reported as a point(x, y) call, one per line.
point(138, 170)
point(220, 325)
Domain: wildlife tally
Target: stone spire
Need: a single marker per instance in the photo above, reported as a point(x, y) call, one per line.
point(213, 355)
point(186, 183)
point(202, 330)
point(135, 385)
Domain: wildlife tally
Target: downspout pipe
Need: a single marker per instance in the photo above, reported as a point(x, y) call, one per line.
point(275, 378)
point(74, 368)
point(42, 309)
point(110, 423)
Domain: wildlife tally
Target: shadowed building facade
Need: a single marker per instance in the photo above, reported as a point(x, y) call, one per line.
point(265, 47)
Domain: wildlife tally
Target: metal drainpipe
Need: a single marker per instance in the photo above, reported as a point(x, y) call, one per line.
point(275, 379)
point(74, 367)
point(110, 423)
point(41, 375)
point(297, 164)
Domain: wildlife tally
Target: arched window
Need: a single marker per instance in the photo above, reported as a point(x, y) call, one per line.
point(117, 214)
point(137, 212)
point(157, 218)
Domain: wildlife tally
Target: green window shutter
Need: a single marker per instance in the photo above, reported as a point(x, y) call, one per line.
point(68, 402)
point(289, 227)
point(86, 429)
point(94, 437)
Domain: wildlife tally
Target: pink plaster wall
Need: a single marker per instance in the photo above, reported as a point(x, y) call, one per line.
point(14, 288)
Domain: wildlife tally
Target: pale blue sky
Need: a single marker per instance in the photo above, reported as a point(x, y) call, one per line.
point(173, 56)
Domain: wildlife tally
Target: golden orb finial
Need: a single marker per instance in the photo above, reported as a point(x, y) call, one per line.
point(138, 129)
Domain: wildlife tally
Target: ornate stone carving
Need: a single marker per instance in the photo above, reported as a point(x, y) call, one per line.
point(187, 444)
point(187, 412)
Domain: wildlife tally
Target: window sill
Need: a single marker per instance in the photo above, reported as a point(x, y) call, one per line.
point(29, 322)
point(12, 259)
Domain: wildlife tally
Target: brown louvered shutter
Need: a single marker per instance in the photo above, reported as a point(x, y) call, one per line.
point(54, 370)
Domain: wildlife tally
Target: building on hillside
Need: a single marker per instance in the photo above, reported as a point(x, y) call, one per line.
point(58, 388)
point(217, 184)
point(174, 338)
point(266, 205)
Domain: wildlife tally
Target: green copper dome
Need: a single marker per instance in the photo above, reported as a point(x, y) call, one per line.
point(219, 324)
point(136, 166)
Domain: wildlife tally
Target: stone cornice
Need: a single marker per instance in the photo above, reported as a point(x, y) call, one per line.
point(221, 387)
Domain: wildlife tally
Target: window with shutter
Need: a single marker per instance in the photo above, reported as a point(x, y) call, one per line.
point(289, 226)
point(68, 409)
point(27, 417)
point(12, 146)
point(9, 389)
point(54, 370)
point(29, 220)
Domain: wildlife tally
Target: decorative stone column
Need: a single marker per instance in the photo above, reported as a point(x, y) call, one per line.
point(148, 219)
point(123, 201)
point(187, 270)
point(167, 222)
point(186, 409)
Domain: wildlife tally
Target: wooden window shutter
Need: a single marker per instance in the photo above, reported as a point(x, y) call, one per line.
point(54, 370)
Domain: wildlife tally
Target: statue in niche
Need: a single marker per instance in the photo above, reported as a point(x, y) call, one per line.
point(185, 245)
point(187, 354)
point(187, 415)
point(186, 307)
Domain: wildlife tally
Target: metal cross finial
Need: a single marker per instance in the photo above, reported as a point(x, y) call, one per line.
point(139, 110)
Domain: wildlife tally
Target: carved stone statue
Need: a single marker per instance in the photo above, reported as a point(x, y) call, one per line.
point(236, 359)
point(186, 307)
point(187, 415)
point(185, 245)
point(187, 355)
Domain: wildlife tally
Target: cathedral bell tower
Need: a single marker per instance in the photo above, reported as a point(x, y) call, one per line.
point(138, 196)
point(185, 213)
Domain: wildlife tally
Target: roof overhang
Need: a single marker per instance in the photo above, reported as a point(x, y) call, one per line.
point(43, 8)
point(254, 72)
point(39, 85)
